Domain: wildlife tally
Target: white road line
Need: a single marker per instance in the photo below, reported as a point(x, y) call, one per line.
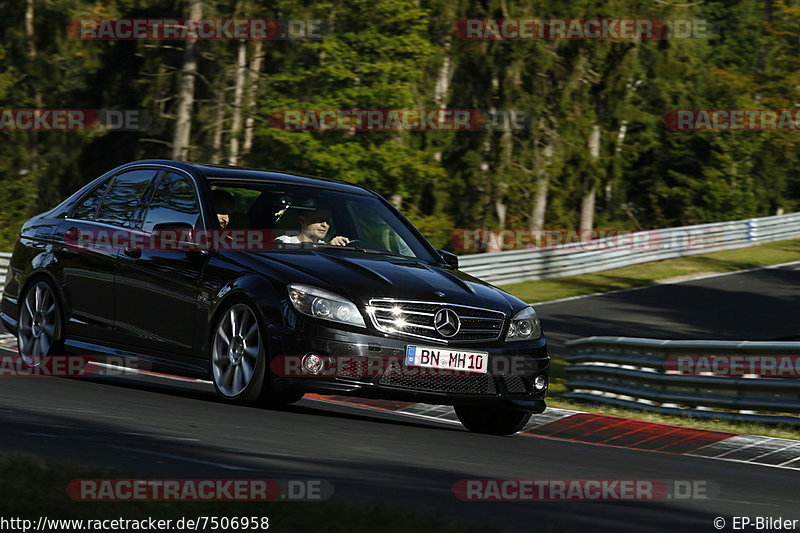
point(755, 459)
point(795, 460)
point(755, 442)
point(428, 408)
point(161, 437)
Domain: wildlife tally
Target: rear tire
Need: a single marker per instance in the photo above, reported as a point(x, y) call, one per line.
point(41, 325)
point(491, 420)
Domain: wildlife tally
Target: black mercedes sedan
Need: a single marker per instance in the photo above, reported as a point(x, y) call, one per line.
point(271, 285)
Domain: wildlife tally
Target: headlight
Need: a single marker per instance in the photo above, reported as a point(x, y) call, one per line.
point(524, 326)
point(323, 304)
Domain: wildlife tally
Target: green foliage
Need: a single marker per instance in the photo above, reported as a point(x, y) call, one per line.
point(438, 229)
point(384, 54)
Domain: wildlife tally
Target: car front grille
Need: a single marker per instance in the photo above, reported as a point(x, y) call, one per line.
point(414, 319)
point(478, 384)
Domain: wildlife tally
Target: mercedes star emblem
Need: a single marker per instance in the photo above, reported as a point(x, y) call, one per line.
point(446, 322)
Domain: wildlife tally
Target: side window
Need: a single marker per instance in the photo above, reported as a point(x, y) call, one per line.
point(174, 200)
point(123, 197)
point(88, 207)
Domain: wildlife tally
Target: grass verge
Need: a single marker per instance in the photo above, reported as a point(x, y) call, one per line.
point(772, 253)
point(34, 487)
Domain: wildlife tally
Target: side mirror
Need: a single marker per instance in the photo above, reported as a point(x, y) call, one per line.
point(181, 233)
point(450, 258)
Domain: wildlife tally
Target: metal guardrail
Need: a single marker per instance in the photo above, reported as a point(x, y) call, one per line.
point(571, 259)
point(634, 373)
point(5, 258)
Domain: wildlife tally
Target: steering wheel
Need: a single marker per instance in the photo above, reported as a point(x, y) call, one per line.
point(353, 242)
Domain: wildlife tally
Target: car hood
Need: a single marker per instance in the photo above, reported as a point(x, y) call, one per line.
point(359, 277)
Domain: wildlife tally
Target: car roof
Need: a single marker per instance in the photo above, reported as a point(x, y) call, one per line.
point(209, 171)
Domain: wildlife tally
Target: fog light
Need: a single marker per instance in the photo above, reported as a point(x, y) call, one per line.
point(312, 363)
point(540, 383)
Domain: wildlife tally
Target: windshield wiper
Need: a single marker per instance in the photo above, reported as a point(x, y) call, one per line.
point(372, 251)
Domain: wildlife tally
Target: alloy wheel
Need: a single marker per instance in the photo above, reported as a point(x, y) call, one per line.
point(39, 323)
point(235, 350)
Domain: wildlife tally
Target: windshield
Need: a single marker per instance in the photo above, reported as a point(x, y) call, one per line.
point(299, 217)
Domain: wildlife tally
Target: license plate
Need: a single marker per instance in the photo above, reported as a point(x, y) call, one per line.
point(443, 359)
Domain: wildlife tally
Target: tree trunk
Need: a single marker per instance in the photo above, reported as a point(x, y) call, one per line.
point(541, 188)
point(253, 76)
point(443, 78)
point(183, 122)
point(441, 90)
point(761, 59)
point(542, 161)
point(396, 200)
point(238, 94)
point(506, 153)
point(587, 210)
point(539, 203)
point(587, 203)
point(219, 122)
point(30, 45)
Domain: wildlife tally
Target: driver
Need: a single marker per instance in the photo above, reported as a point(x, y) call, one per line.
point(314, 225)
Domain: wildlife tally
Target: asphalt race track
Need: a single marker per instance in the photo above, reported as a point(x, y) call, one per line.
point(761, 304)
point(157, 428)
point(175, 432)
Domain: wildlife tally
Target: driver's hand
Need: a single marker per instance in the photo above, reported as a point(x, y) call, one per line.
point(339, 241)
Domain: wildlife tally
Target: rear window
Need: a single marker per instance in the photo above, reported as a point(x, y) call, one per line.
point(88, 206)
point(124, 196)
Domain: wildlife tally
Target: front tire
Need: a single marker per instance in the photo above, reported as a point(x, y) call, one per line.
point(239, 355)
point(491, 420)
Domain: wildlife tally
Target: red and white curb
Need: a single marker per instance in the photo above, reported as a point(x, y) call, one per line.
point(604, 430)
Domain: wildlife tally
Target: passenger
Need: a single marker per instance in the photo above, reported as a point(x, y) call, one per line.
point(224, 203)
point(314, 225)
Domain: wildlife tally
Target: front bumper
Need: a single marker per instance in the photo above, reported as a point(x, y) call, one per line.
point(372, 366)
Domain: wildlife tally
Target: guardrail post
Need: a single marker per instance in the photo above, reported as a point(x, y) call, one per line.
point(752, 229)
